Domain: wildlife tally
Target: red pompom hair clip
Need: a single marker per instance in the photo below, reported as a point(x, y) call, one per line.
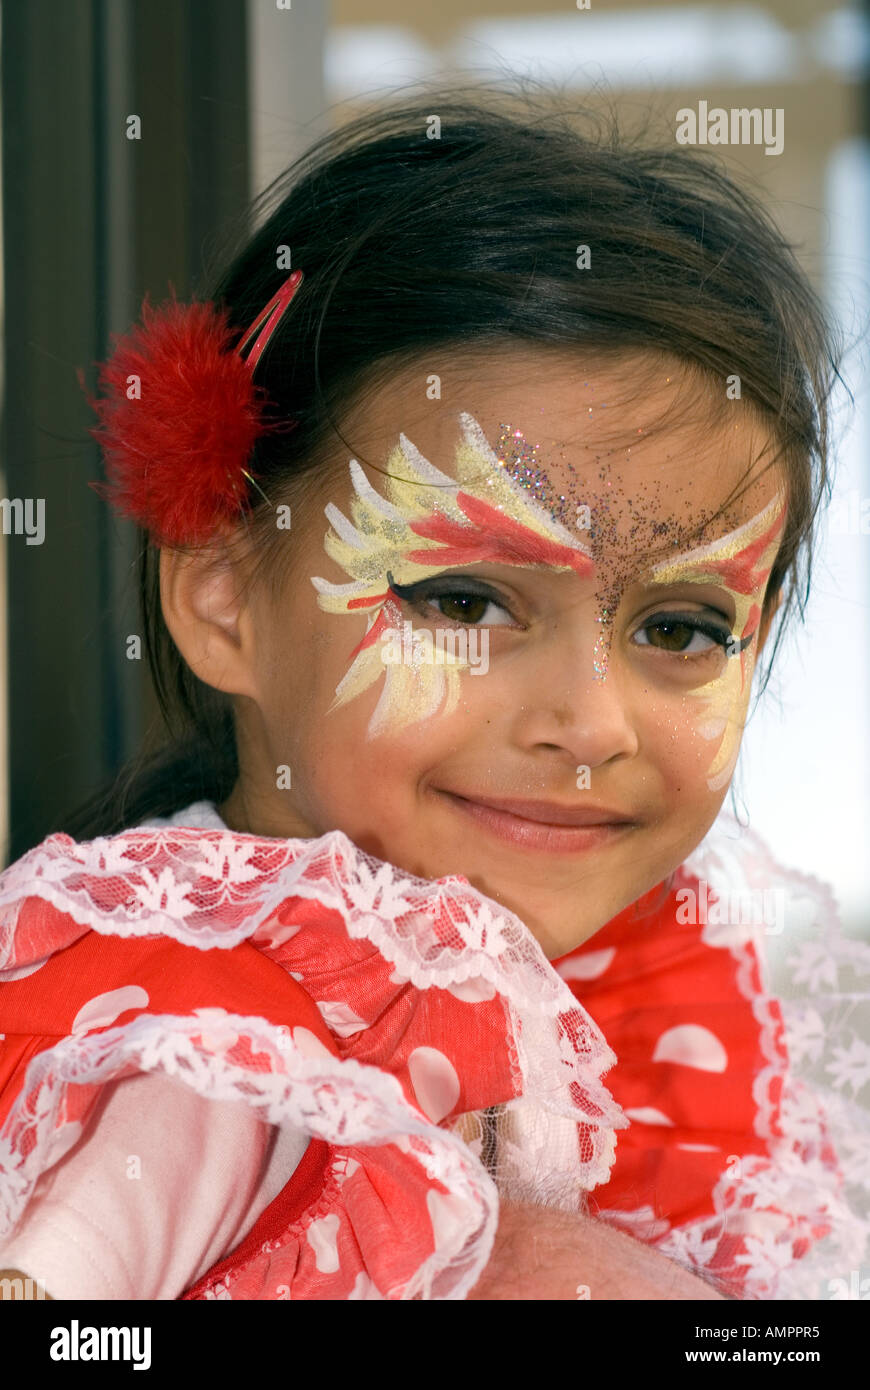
point(180, 416)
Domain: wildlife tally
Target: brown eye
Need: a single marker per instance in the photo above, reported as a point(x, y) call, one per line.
point(455, 599)
point(674, 637)
point(463, 608)
point(682, 635)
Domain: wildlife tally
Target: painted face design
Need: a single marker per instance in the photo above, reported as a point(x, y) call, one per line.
point(429, 522)
point(501, 507)
point(740, 563)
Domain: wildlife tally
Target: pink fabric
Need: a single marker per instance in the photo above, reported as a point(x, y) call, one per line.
point(161, 1186)
point(326, 991)
point(207, 1171)
point(403, 1023)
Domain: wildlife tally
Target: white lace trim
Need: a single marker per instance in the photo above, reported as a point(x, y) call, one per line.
point(343, 1102)
point(214, 889)
point(177, 882)
point(825, 1038)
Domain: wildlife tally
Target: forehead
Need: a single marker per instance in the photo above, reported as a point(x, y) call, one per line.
point(651, 447)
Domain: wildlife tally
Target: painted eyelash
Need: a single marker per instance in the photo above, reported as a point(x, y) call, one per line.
point(739, 644)
point(444, 587)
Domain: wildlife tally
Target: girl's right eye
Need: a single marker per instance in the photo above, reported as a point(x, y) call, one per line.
point(457, 599)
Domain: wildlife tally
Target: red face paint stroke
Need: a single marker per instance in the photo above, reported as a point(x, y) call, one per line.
point(496, 538)
point(463, 528)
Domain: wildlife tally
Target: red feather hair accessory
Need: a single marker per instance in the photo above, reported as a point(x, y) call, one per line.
point(180, 416)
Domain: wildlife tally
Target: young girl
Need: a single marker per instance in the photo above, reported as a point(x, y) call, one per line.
point(471, 492)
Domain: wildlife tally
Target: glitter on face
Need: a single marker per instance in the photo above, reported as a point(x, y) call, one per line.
point(429, 522)
point(615, 554)
point(740, 563)
point(520, 460)
point(502, 506)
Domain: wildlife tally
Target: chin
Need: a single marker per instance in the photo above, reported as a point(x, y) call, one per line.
point(558, 929)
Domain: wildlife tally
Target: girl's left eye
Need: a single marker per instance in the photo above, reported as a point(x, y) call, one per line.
point(683, 634)
point(458, 601)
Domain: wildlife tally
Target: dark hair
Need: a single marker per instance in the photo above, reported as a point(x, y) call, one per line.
point(409, 243)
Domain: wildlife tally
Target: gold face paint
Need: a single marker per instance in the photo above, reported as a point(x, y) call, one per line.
point(498, 509)
point(616, 526)
point(740, 563)
point(429, 522)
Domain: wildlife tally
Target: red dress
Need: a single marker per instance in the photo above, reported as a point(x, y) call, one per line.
point(416, 1031)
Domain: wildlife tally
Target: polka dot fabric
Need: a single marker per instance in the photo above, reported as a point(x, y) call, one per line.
point(690, 1049)
point(335, 994)
point(439, 1061)
point(744, 1158)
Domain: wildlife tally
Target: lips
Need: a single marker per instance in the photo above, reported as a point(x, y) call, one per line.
point(548, 812)
point(547, 827)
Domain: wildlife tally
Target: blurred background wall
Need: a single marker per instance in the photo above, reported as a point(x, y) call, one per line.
point(229, 93)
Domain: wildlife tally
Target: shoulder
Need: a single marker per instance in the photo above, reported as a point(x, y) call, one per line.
point(149, 920)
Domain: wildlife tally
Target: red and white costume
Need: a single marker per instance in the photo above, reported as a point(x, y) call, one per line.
point(239, 1067)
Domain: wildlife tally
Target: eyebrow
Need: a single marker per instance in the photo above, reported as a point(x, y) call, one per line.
point(736, 567)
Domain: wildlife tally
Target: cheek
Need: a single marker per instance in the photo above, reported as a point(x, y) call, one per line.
point(692, 736)
point(402, 674)
point(301, 659)
point(374, 703)
point(715, 716)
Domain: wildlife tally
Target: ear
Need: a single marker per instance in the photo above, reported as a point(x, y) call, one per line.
point(766, 622)
point(209, 621)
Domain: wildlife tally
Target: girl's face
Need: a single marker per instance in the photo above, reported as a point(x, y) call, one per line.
point(526, 657)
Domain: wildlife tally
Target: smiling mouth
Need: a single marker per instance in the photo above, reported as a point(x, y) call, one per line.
point(544, 825)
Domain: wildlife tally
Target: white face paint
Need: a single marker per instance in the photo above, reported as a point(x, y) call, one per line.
point(428, 523)
point(740, 563)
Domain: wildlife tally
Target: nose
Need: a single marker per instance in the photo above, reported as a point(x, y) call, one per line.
point(566, 710)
